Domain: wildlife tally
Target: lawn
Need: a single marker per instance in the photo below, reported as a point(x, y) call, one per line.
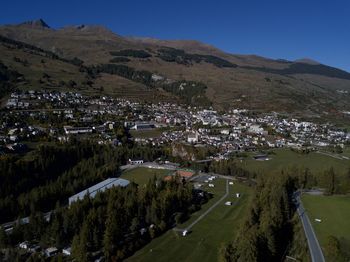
point(284, 158)
point(218, 191)
point(346, 151)
point(334, 211)
point(208, 235)
point(141, 175)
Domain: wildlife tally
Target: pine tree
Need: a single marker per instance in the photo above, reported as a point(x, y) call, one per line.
point(330, 180)
point(3, 238)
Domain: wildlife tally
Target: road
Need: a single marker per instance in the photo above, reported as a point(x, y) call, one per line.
point(188, 228)
point(314, 246)
point(22, 221)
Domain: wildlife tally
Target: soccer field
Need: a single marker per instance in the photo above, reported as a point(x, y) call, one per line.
point(207, 237)
point(141, 175)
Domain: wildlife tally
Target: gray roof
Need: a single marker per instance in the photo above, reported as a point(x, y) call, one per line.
point(100, 187)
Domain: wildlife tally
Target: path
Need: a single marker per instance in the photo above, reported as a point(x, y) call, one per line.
point(188, 228)
point(336, 156)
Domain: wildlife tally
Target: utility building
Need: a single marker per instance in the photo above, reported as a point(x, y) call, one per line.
point(100, 187)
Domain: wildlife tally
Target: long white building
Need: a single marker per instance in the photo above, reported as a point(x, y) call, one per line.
point(100, 187)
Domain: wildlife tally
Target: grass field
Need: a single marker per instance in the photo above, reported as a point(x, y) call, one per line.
point(334, 211)
point(207, 236)
point(141, 175)
point(346, 151)
point(286, 158)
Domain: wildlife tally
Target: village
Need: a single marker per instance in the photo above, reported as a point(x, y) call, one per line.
point(56, 116)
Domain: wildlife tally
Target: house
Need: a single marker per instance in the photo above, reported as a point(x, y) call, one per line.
point(135, 161)
point(67, 251)
point(184, 233)
point(24, 245)
point(143, 126)
point(30, 247)
point(192, 138)
point(13, 138)
point(143, 231)
point(51, 251)
point(225, 132)
point(228, 203)
point(211, 185)
point(230, 183)
point(77, 130)
point(238, 195)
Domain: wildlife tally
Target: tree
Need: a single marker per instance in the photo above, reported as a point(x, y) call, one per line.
point(3, 238)
point(248, 247)
point(333, 248)
point(79, 250)
point(347, 180)
point(135, 224)
point(330, 181)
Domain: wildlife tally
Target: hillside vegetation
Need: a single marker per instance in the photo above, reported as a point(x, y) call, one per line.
point(300, 88)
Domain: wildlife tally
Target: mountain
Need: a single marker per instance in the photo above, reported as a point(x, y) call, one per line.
point(40, 23)
point(307, 61)
point(132, 66)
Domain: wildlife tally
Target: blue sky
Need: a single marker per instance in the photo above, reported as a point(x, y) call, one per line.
point(277, 29)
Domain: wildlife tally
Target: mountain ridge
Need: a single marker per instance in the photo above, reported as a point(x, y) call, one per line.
point(232, 80)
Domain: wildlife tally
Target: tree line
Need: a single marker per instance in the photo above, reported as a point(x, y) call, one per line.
point(179, 56)
point(131, 53)
point(115, 223)
point(49, 175)
point(268, 229)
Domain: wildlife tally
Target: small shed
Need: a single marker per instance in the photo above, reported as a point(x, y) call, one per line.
point(51, 251)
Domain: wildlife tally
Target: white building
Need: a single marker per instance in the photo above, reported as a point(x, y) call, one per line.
point(77, 130)
point(192, 138)
point(100, 187)
point(51, 251)
point(67, 251)
point(135, 161)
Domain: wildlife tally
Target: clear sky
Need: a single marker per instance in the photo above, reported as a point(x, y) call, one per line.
point(288, 29)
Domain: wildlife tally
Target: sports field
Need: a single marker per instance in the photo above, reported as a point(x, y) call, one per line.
point(207, 236)
point(141, 175)
point(284, 158)
point(334, 211)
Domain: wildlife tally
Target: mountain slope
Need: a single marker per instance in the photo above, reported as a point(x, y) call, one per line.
point(303, 87)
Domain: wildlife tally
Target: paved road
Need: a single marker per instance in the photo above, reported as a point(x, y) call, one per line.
point(22, 221)
point(314, 246)
point(188, 228)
